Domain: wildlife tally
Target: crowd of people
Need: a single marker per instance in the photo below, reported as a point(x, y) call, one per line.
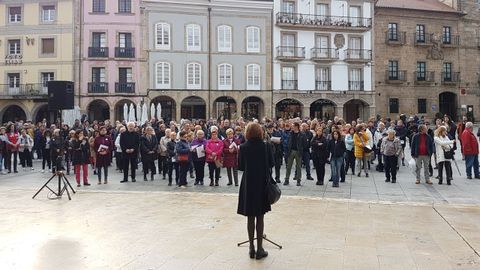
point(175, 151)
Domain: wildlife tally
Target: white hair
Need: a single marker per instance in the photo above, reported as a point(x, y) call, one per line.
point(469, 125)
point(131, 124)
point(213, 128)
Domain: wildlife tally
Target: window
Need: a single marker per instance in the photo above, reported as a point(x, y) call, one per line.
point(224, 35)
point(253, 39)
point(98, 75)
point(49, 13)
point(447, 36)
point(421, 71)
point(225, 77)
point(125, 75)
point(393, 104)
point(46, 77)
point(124, 6)
point(393, 70)
point(162, 75)
point(194, 76)
point(99, 40)
point(355, 15)
point(15, 14)
point(322, 78)
point(193, 37)
point(14, 46)
point(288, 45)
point(253, 77)
point(162, 36)
point(355, 48)
point(392, 32)
point(288, 6)
point(420, 33)
point(422, 105)
point(13, 83)
point(447, 72)
point(98, 6)
point(125, 40)
point(48, 46)
point(321, 10)
point(289, 81)
point(355, 79)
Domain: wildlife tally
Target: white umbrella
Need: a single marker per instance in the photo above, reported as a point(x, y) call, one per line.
point(139, 113)
point(144, 113)
point(131, 113)
point(159, 111)
point(125, 112)
point(152, 111)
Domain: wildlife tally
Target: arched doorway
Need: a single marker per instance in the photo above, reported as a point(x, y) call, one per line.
point(355, 109)
point(225, 108)
point(168, 107)
point(252, 107)
point(322, 109)
point(14, 113)
point(98, 110)
point(288, 108)
point(448, 104)
point(193, 108)
point(44, 113)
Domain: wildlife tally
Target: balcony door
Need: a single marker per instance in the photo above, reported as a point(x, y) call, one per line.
point(288, 7)
point(125, 40)
point(288, 78)
point(13, 83)
point(288, 44)
point(322, 78)
point(355, 79)
point(321, 10)
point(355, 14)
point(321, 43)
point(355, 45)
point(99, 40)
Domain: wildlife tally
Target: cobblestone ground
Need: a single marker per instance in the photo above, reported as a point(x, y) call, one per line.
point(365, 224)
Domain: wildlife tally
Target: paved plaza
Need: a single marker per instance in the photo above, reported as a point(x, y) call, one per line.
point(365, 224)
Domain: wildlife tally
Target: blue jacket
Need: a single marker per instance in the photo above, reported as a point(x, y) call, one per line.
point(415, 145)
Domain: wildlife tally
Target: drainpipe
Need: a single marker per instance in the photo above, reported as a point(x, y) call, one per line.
point(272, 68)
point(80, 50)
point(209, 61)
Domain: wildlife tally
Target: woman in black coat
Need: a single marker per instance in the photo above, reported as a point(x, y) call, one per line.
point(256, 161)
point(148, 148)
point(319, 154)
point(80, 157)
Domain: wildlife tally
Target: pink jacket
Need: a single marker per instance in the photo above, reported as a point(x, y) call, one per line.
point(214, 146)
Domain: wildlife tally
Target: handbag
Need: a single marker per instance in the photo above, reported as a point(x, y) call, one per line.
point(366, 149)
point(273, 190)
point(218, 163)
point(182, 158)
point(448, 154)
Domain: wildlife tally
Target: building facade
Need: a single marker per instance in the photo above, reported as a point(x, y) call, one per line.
point(323, 59)
point(421, 59)
point(209, 59)
point(37, 45)
point(112, 58)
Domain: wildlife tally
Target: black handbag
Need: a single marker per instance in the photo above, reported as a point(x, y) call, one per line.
point(448, 154)
point(273, 190)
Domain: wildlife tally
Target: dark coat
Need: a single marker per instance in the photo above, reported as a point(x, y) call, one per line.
point(300, 142)
point(415, 145)
point(319, 149)
point(252, 199)
point(130, 140)
point(230, 160)
point(80, 152)
point(57, 147)
point(337, 149)
point(147, 146)
point(103, 160)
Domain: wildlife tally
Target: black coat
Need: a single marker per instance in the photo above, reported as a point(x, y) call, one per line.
point(80, 152)
point(252, 199)
point(336, 149)
point(319, 152)
point(300, 142)
point(146, 146)
point(130, 140)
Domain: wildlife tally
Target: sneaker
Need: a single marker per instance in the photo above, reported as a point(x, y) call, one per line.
point(86, 184)
point(43, 171)
point(286, 183)
point(298, 184)
point(387, 180)
point(32, 169)
point(123, 181)
point(309, 177)
point(469, 177)
point(417, 182)
point(429, 182)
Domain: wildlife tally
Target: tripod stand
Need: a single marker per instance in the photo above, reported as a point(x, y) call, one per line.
point(264, 238)
point(61, 189)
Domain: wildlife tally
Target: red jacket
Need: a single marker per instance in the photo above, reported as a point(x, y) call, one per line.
point(469, 143)
point(230, 160)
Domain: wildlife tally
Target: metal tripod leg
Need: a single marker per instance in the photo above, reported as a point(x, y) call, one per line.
point(43, 186)
point(264, 238)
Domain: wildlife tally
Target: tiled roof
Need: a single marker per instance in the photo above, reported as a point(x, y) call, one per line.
point(427, 5)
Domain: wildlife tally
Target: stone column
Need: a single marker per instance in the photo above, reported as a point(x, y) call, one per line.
point(306, 111)
point(178, 109)
point(239, 108)
point(339, 111)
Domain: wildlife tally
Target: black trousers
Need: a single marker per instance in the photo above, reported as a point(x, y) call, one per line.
point(320, 170)
point(149, 166)
point(8, 160)
point(390, 167)
point(350, 161)
point(448, 170)
point(278, 166)
point(46, 159)
point(26, 158)
point(213, 171)
point(162, 165)
point(132, 162)
point(199, 171)
point(119, 160)
point(183, 168)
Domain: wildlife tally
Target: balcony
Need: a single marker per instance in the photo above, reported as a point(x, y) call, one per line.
point(29, 90)
point(289, 84)
point(396, 38)
point(324, 54)
point(127, 87)
point(323, 85)
point(395, 77)
point(124, 52)
point(354, 55)
point(426, 77)
point(355, 86)
point(13, 59)
point(98, 52)
point(422, 40)
point(323, 22)
point(97, 87)
point(450, 78)
point(450, 41)
point(290, 53)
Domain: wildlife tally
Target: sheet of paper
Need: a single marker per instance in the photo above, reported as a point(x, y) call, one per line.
point(276, 139)
point(200, 151)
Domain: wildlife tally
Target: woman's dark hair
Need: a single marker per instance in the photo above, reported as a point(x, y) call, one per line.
point(47, 132)
point(338, 133)
point(351, 129)
point(9, 127)
point(182, 133)
point(254, 132)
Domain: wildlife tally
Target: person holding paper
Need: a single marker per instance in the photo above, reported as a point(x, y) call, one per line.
point(230, 156)
point(103, 146)
point(214, 150)
point(198, 155)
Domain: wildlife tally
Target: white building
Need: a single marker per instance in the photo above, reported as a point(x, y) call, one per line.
point(322, 63)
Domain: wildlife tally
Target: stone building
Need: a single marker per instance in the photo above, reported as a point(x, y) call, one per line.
point(37, 45)
point(421, 56)
point(209, 59)
point(323, 59)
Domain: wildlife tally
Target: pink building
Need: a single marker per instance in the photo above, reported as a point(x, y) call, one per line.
point(111, 57)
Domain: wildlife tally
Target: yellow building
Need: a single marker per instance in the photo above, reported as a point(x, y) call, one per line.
point(36, 45)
